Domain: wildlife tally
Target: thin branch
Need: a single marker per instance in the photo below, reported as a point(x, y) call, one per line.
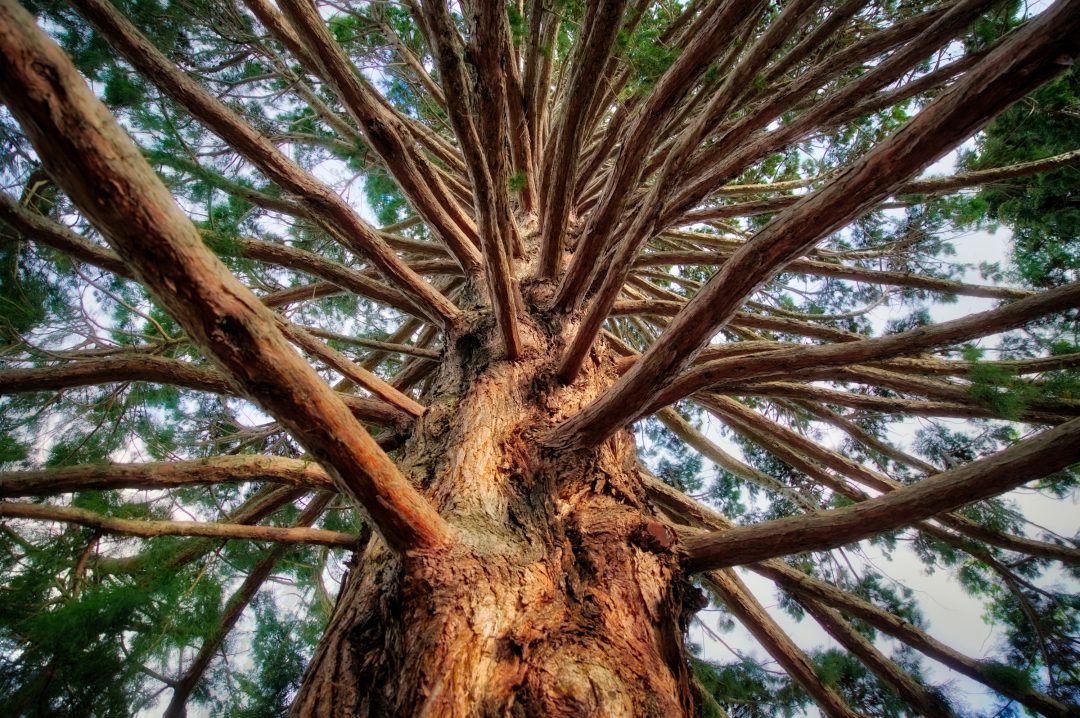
point(469, 120)
point(741, 602)
point(594, 43)
point(785, 362)
point(798, 583)
point(387, 136)
point(234, 607)
point(165, 475)
point(709, 39)
point(151, 529)
point(320, 202)
point(160, 370)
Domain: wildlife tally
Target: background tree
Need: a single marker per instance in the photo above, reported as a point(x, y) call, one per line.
point(370, 293)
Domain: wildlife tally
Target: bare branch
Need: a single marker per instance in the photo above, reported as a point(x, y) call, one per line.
point(798, 583)
point(151, 529)
point(321, 203)
point(784, 362)
point(469, 120)
point(595, 40)
point(160, 370)
point(165, 475)
point(708, 40)
point(387, 136)
point(741, 602)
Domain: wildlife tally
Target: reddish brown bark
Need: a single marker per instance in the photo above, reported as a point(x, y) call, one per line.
point(560, 598)
point(510, 577)
point(165, 474)
point(1044, 454)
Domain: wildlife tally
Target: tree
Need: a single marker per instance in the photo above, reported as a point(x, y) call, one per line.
point(218, 372)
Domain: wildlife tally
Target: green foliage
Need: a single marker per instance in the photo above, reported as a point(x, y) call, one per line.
point(123, 89)
point(385, 197)
point(746, 690)
point(280, 650)
point(647, 55)
point(1042, 210)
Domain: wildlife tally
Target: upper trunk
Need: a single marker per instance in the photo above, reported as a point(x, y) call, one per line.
point(560, 598)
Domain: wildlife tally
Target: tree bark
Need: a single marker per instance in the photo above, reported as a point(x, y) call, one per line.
point(558, 599)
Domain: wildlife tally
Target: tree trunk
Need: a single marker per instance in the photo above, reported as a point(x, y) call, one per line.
point(562, 598)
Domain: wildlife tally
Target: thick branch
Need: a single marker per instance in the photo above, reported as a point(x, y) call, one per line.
point(320, 202)
point(160, 370)
point(91, 157)
point(772, 637)
point(798, 583)
point(1044, 454)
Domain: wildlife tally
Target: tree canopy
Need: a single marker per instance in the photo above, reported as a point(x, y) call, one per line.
point(233, 232)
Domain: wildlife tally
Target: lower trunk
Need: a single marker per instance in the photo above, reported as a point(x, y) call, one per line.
point(562, 597)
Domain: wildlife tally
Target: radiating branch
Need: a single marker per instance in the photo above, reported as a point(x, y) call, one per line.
point(742, 603)
point(798, 583)
point(161, 370)
point(387, 135)
point(320, 201)
point(783, 363)
point(92, 158)
point(1023, 61)
point(234, 607)
point(594, 44)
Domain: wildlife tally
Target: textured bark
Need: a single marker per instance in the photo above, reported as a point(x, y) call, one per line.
point(88, 154)
point(559, 599)
point(161, 370)
point(799, 584)
point(319, 201)
point(519, 563)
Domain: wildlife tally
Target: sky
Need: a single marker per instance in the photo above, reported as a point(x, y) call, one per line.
point(953, 617)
